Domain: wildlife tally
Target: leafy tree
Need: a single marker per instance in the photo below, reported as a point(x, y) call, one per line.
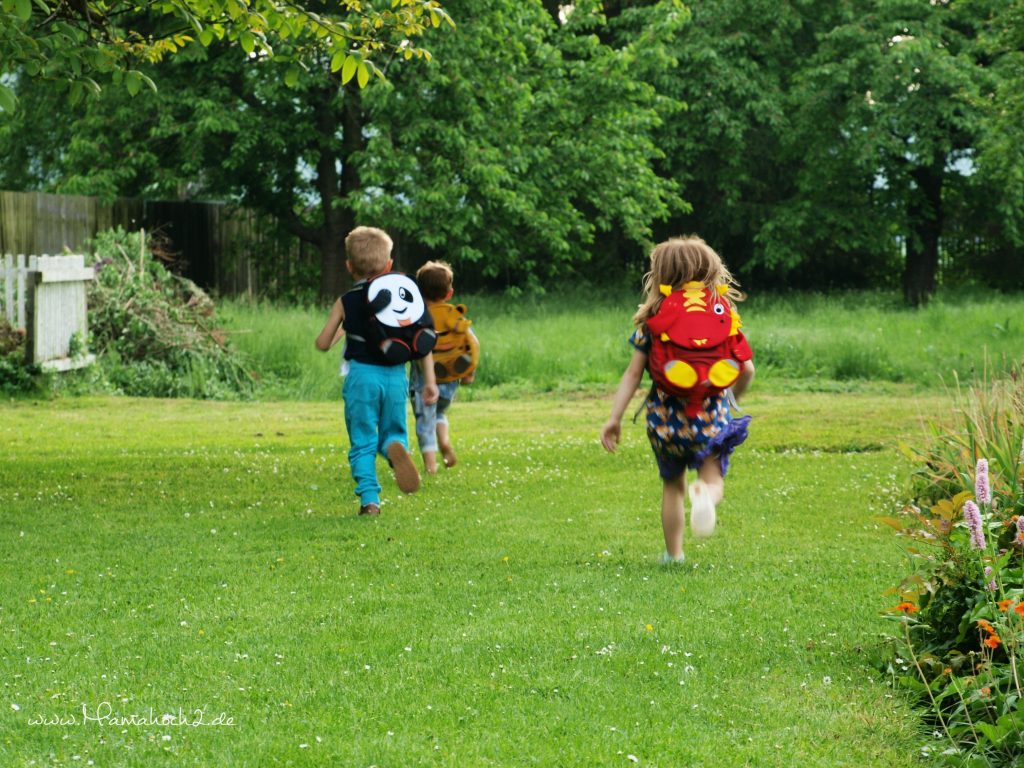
point(530, 143)
point(1000, 146)
point(890, 113)
point(78, 41)
point(734, 64)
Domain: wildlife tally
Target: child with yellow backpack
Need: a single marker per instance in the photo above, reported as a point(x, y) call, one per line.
point(456, 354)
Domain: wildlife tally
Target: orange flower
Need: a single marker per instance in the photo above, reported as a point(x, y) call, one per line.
point(986, 691)
point(1004, 605)
point(986, 626)
point(1019, 610)
point(993, 641)
point(906, 607)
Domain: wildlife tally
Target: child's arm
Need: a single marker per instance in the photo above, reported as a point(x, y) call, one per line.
point(332, 331)
point(430, 392)
point(612, 429)
point(746, 376)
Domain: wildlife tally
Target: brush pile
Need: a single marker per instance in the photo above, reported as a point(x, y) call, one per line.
point(155, 332)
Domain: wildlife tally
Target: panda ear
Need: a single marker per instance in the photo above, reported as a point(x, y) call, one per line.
point(381, 300)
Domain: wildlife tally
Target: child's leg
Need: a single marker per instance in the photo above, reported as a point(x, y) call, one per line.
point(711, 473)
point(673, 515)
point(394, 428)
point(443, 440)
point(362, 404)
point(445, 444)
point(705, 494)
point(426, 426)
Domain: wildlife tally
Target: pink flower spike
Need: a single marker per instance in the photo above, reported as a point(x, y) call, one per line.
point(981, 487)
point(972, 516)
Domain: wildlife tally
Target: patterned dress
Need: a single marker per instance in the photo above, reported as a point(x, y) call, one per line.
point(680, 443)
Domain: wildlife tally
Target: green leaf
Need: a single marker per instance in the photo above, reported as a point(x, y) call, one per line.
point(24, 9)
point(291, 76)
point(8, 101)
point(337, 60)
point(362, 75)
point(133, 81)
point(347, 71)
point(148, 81)
point(206, 37)
point(247, 41)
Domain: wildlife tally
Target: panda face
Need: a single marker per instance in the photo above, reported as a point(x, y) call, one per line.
point(406, 305)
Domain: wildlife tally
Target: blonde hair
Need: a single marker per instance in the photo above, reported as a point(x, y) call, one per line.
point(681, 260)
point(368, 249)
point(435, 280)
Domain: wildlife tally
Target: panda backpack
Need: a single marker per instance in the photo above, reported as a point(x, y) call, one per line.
point(400, 325)
point(697, 349)
point(457, 350)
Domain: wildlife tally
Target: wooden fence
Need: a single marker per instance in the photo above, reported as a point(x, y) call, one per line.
point(45, 297)
point(216, 243)
point(14, 287)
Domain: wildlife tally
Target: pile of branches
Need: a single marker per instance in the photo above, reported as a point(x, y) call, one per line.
point(156, 331)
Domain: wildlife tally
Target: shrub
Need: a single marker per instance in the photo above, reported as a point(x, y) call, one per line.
point(16, 376)
point(962, 608)
point(156, 332)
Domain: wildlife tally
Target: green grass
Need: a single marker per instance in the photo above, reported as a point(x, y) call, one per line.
point(852, 341)
point(166, 554)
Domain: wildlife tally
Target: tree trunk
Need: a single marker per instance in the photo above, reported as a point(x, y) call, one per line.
point(924, 215)
point(335, 187)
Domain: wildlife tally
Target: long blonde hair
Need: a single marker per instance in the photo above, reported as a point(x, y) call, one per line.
point(680, 260)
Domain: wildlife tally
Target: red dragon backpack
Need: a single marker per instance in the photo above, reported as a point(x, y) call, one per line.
point(697, 349)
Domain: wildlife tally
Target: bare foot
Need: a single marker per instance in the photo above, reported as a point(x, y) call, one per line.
point(430, 462)
point(449, 455)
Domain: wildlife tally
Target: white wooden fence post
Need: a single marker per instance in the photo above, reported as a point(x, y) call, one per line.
point(56, 312)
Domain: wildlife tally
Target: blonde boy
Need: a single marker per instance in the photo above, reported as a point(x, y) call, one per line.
point(374, 389)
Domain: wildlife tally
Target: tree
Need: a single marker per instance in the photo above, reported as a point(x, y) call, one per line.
point(733, 66)
point(530, 146)
point(532, 141)
point(78, 42)
point(891, 107)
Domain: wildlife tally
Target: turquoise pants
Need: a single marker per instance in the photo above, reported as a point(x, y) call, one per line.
point(375, 416)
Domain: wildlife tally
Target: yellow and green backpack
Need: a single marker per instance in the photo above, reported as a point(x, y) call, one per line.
point(457, 350)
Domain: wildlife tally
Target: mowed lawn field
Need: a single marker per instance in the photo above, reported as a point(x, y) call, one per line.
point(204, 561)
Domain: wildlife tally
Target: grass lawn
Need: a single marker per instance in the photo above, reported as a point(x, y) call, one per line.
point(180, 555)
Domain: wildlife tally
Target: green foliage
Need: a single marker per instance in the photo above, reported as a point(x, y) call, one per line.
point(76, 43)
point(16, 376)
point(156, 332)
point(962, 613)
point(533, 145)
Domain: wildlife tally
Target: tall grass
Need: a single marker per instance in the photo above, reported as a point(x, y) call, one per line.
point(579, 341)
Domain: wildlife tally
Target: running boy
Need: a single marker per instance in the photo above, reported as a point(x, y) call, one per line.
point(374, 390)
point(455, 359)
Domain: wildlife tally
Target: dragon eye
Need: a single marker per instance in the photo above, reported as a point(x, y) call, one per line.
point(719, 309)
